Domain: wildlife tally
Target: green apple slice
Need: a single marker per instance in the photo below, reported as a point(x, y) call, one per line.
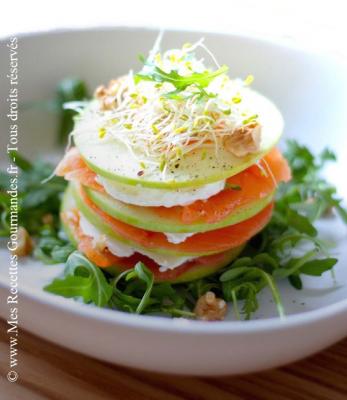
point(114, 160)
point(147, 218)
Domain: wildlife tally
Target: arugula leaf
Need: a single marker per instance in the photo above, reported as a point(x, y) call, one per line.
point(82, 279)
point(234, 273)
point(51, 247)
point(246, 291)
point(144, 274)
point(135, 292)
point(201, 80)
point(318, 267)
point(301, 160)
point(132, 303)
point(295, 281)
point(244, 282)
point(300, 223)
point(294, 265)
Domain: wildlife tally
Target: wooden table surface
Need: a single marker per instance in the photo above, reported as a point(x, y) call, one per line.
point(48, 371)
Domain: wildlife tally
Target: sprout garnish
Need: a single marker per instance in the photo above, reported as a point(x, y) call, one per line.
point(173, 106)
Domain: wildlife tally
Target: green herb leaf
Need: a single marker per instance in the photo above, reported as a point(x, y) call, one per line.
point(82, 279)
point(295, 281)
point(201, 80)
point(145, 275)
point(243, 283)
point(300, 223)
point(318, 267)
point(130, 303)
point(233, 273)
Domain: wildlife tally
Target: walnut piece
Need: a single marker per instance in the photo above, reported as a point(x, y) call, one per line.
point(244, 140)
point(25, 243)
point(210, 308)
point(100, 92)
point(107, 94)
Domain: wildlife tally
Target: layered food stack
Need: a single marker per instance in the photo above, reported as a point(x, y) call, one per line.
point(175, 166)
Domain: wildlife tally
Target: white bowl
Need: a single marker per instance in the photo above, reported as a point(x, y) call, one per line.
point(309, 88)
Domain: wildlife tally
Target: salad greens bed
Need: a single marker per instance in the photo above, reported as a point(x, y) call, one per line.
point(288, 248)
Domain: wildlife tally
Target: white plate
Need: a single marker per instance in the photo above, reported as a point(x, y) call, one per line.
point(309, 88)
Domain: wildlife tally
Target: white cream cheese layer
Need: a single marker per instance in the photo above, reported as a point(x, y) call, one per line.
point(150, 197)
point(178, 237)
point(120, 249)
